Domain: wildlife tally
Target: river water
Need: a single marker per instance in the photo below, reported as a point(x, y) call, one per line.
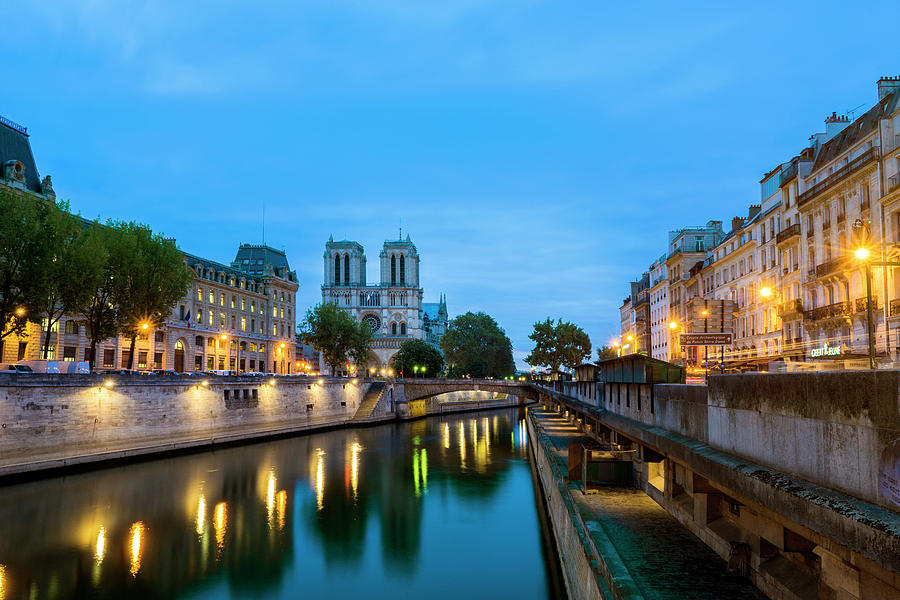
point(443, 507)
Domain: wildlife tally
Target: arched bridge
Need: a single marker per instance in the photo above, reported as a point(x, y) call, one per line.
point(418, 389)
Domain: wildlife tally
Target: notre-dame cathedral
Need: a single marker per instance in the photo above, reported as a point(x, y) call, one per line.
point(393, 308)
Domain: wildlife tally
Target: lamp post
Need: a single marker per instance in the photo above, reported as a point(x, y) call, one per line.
point(705, 314)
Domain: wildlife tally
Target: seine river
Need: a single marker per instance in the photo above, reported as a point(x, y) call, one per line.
point(443, 507)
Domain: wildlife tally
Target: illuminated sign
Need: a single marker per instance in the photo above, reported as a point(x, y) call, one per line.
point(704, 339)
point(826, 350)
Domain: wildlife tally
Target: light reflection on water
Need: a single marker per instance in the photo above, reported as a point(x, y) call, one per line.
point(374, 512)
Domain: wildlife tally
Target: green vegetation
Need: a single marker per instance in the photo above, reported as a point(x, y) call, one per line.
point(475, 345)
point(337, 335)
point(417, 358)
point(606, 352)
point(558, 344)
point(53, 263)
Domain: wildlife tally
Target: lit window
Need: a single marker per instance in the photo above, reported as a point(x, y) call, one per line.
point(274, 329)
point(200, 294)
point(221, 319)
point(243, 304)
point(243, 324)
point(274, 311)
point(233, 301)
point(221, 299)
point(211, 322)
point(212, 297)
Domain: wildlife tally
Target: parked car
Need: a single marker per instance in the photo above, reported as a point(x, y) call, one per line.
point(79, 367)
point(42, 366)
point(165, 372)
point(15, 368)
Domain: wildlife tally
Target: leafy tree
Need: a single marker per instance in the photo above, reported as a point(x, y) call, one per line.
point(559, 344)
point(102, 319)
point(337, 335)
point(156, 279)
point(25, 256)
point(417, 353)
point(606, 352)
point(474, 337)
point(76, 260)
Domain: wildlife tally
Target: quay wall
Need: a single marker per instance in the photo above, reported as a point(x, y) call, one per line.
point(54, 421)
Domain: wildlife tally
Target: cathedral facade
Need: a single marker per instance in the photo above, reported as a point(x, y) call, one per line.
point(393, 307)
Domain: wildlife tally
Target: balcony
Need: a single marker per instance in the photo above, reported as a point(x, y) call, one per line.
point(891, 144)
point(831, 266)
point(839, 310)
point(790, 307)
point(895, 307)
point(787, 233)
point(850, 168)
point(893, 183)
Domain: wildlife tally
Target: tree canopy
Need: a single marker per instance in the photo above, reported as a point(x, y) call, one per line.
point(337, 335)
point(475, 345)
point(606, 352)
point(420, 354)
point(558, 344)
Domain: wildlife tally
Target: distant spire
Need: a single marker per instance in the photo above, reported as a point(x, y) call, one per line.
point(401, 229)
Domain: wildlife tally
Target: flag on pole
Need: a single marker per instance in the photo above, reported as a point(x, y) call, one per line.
point(187, 318)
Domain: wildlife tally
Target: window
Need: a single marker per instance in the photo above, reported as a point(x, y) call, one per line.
point(699, 245)
point(282, 312)
point(221, 319)
point(243, 324)
point(221, 299)
point(210, 363)
point(45, 324)
point(337, 269)
point(126, 357)
point(346, 272)
point(253, 325)
point(393, 329)
point(274, 311)
point(69, 353)
point(211, 318)
point(71, 327)
point(160, 337)
point(274, 329)
point(109, 357)
point(233, 300)
point(393, 270)
point(198, 341)
point(402, 270)
point(402, 328)
point(253, 306)
point(212, 297)
point(199, 315)
point(48, 351)
point(200, 294)
point(142, 359)
point(198, 362)
point(243, 304)
point(181, 313)
point(232, 321)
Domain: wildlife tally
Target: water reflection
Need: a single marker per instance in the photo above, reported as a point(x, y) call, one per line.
point(272, 519)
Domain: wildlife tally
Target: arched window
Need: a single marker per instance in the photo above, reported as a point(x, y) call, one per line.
point(402, 270)
point(179, 345)
point(393, 329)
point(346, 269)
point(402, 328)
point(337, 269)
point(393, 270)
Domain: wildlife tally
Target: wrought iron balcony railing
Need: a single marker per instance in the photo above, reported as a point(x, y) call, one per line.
point(852, 167)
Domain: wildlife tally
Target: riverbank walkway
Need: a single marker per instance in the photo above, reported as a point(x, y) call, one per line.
point(664, 560)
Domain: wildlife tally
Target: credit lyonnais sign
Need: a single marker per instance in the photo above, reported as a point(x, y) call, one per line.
point(825, 350)
point(705, 339)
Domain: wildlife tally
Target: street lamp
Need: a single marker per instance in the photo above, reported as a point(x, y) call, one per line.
point(765, 292)
point(20, 312)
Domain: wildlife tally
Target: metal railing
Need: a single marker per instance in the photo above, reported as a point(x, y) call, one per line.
point(893, 183)
point(853, 166)
point(828, 267)
point(787, 233)
point(790, 307)
point(787, 175)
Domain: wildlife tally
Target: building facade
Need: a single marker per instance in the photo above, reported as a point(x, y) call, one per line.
point(393, 307)
point(786, 280)
point(238, 317)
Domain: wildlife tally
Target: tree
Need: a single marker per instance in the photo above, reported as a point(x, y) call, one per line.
point(474, 337)
point(156, 279)
point(417, 353)
point(25, 256)
point(606, 352)
point(101, 315)
point(75, 261)
point(559, 344)
point(337, 335)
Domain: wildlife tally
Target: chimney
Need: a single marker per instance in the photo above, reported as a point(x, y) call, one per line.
point(835, 124)
point(887, 85)
point(736, 223)
point(754, 210)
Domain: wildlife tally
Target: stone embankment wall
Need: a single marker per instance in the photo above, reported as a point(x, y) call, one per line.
point(579, 562)
point(792, 476)
point(53, 421)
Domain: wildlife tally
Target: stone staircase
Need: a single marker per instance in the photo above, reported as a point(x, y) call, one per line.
point(369, 402)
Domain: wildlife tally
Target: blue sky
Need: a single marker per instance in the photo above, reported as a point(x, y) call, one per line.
point(537, 152)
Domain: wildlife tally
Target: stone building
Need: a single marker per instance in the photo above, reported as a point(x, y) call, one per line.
point(659, 309)
point(237, 317)
point(393, 307)
point(788, 271)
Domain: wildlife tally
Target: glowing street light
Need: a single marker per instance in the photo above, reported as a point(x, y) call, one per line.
point(673, 325)
point(862, 253)
point(20, 312)
point(765, 292)
point(145, 326)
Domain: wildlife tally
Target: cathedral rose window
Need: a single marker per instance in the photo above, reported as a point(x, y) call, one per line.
point(374, 322)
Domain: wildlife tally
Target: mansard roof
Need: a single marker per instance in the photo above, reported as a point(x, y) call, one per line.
point(253, 258)
point(856, 131)
point(14, 145)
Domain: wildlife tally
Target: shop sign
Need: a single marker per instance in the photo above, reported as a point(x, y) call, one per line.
point(826, 350)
